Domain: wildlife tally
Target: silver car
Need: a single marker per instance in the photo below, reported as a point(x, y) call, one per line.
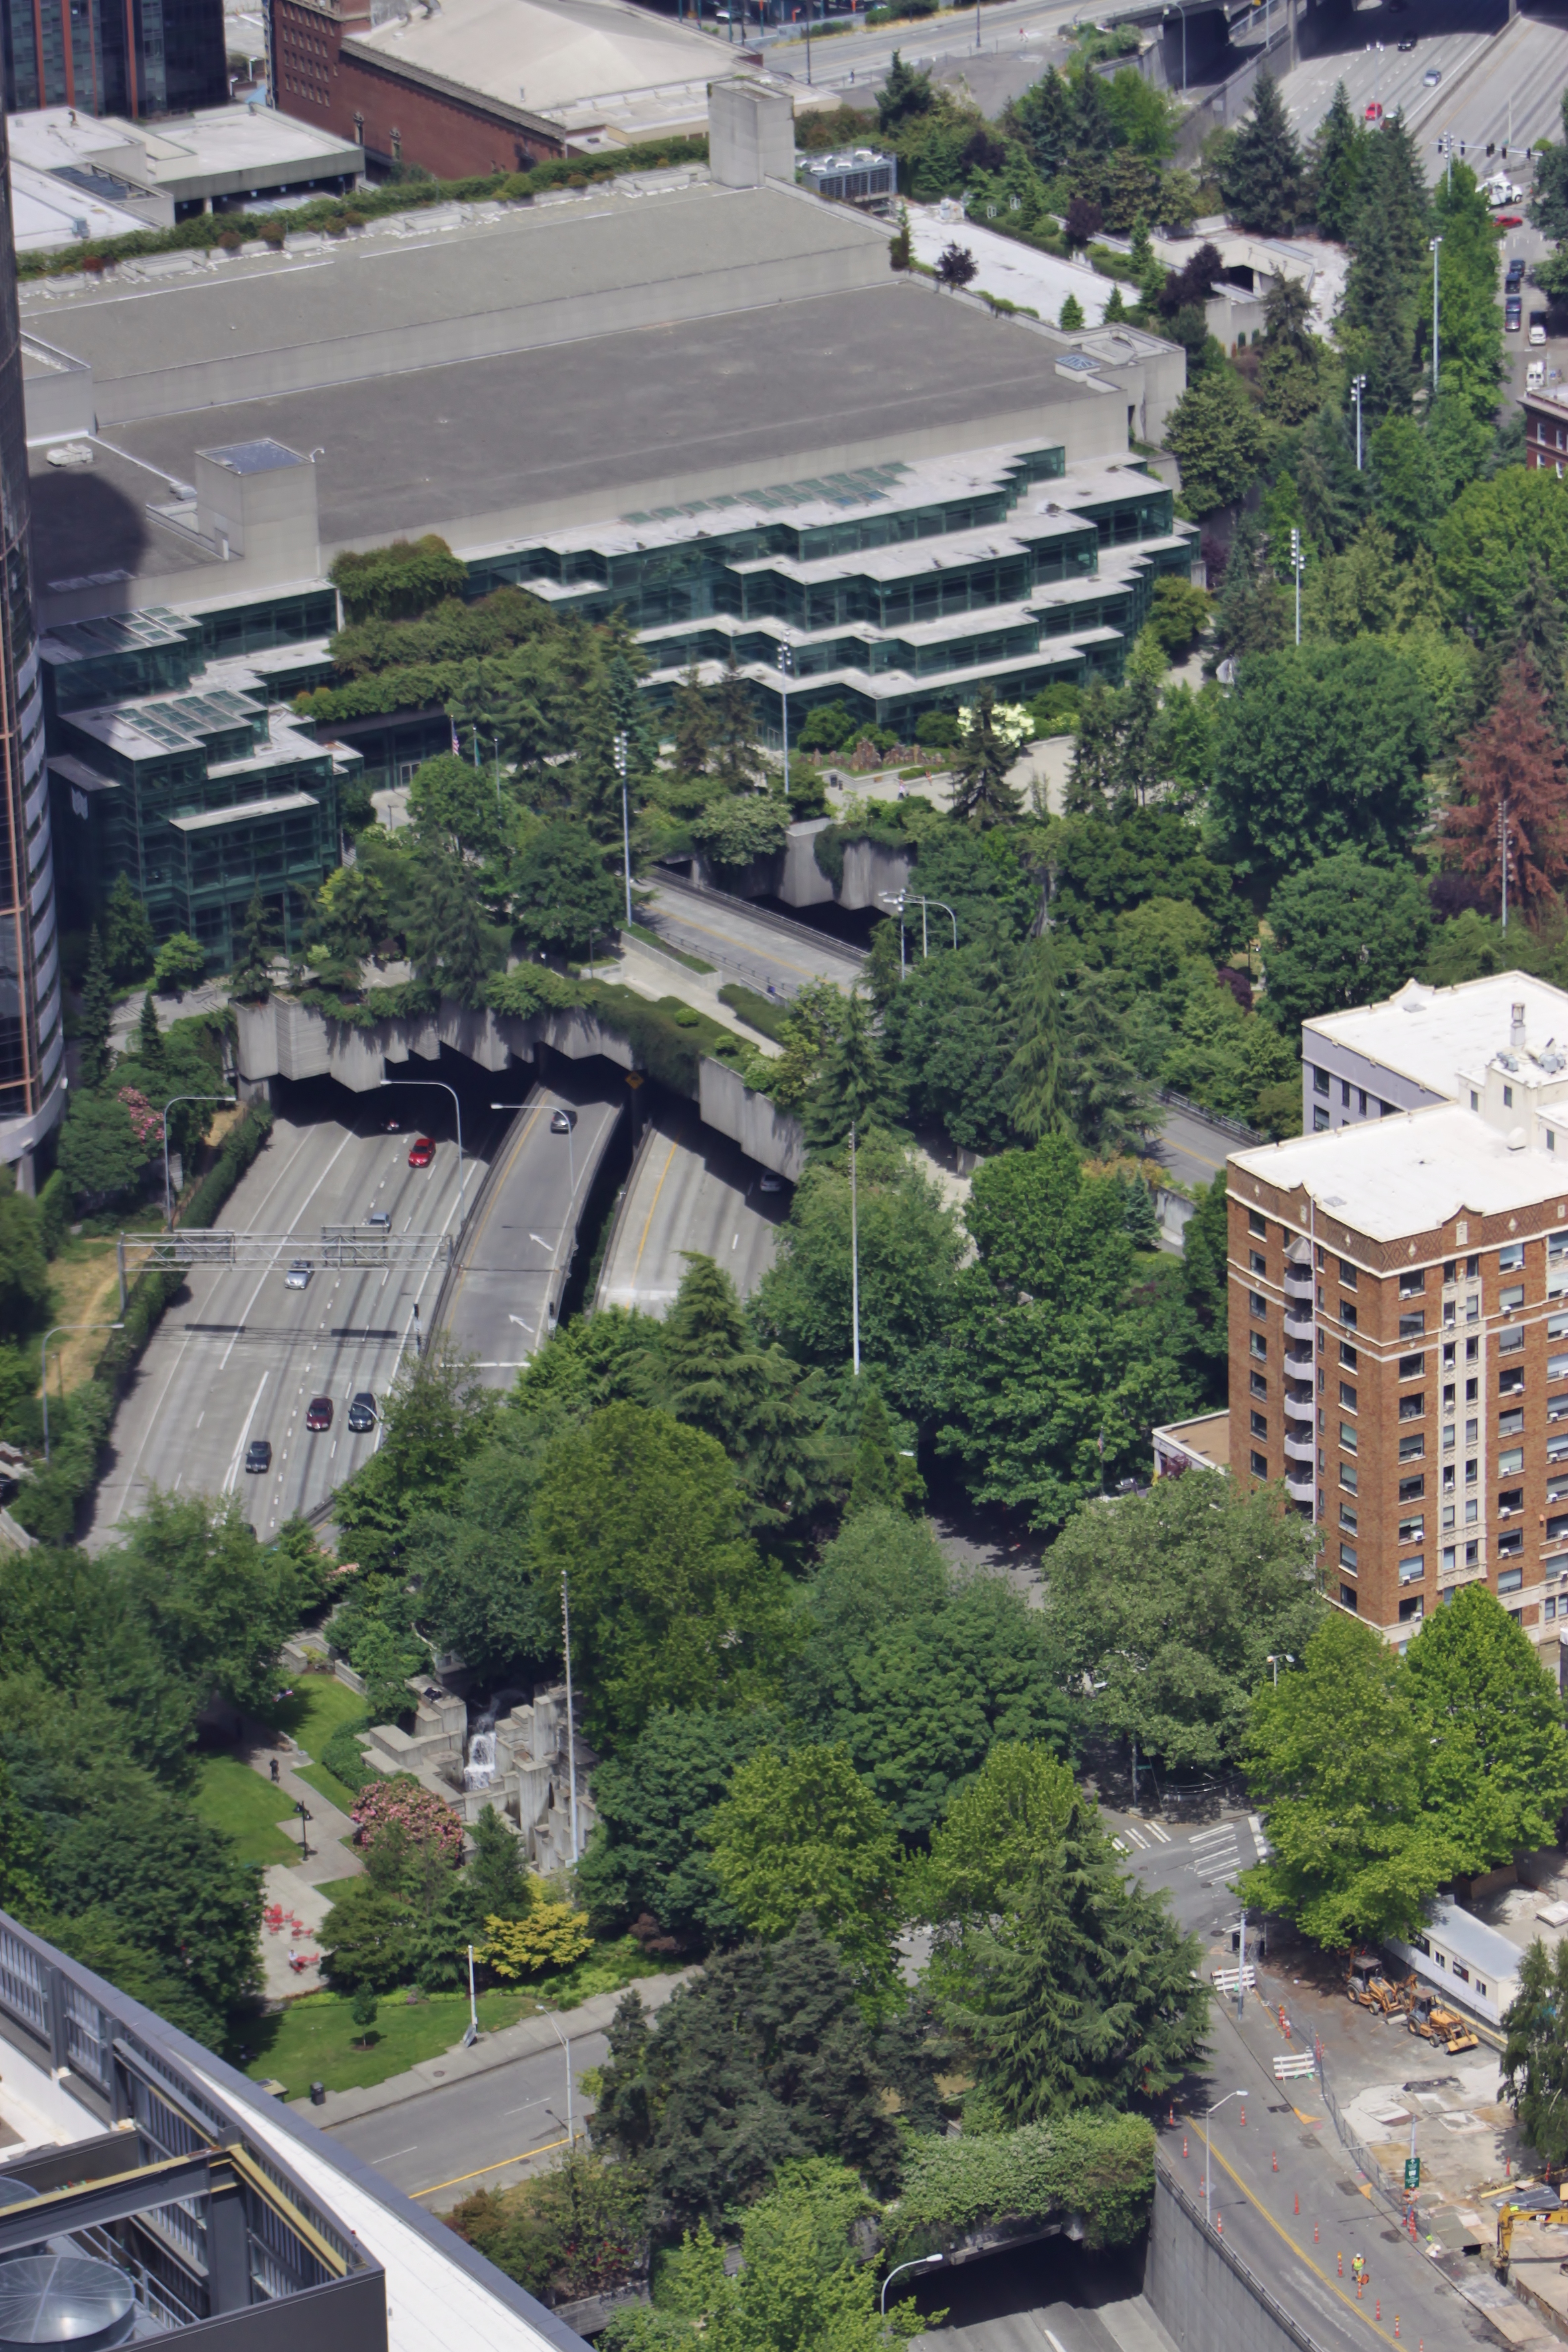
point(299, 1275)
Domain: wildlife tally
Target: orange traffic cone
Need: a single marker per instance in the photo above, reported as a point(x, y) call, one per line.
point(1298, 2200)
point(1314, 2234)
point(1275, 2156)
point(1183, 2143)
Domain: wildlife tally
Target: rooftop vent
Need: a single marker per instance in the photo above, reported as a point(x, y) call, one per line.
point(1516, 1025)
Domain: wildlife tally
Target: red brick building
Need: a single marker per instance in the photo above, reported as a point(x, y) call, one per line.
point(1546, 429)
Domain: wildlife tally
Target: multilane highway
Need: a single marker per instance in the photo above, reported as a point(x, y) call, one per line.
point(690, 1190)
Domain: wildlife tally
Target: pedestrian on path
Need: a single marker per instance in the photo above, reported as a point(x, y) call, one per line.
point(272, 1768)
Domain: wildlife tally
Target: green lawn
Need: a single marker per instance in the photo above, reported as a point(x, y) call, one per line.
point(321, 1706)
point(327, 1784)
point(231, 1797)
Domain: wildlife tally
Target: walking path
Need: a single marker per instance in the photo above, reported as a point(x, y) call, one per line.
point(293, 1901)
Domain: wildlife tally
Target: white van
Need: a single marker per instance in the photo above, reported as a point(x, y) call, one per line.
point(1535, 375)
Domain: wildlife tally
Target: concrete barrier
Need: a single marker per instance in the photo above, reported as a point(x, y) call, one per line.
point(1202, 2292)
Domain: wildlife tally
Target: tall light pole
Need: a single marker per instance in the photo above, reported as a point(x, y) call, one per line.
point(1358, 385)
point(854, 1257)
point(896, 900)
point(441, 1087)
point(924, 905)
point(1504, 844)
point(571, 2128)
point(1208, 2154)
point(49, 1335)
point(1435, 248)
point(570, 1720)
point(920, 2263)
point(168, 1106)
point(785, 666)
point(625, 821)
point(1298, 565)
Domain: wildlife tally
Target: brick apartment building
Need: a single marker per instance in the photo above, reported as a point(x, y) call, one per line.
point(1399, 1304)
point(1546, 429)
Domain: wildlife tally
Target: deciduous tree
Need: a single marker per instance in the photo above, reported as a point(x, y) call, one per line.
point(1343, 932)
point(1498, 1775)
point(1513, 764)
point(800, 1832)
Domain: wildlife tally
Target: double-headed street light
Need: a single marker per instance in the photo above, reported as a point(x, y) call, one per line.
point(1358, 385)
point(621, 750)
point(1298, 565)
point(1208, 2154)
point(442, 1088)
point(1435, 249)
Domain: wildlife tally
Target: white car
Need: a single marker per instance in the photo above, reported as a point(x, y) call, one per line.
point(1432, 76)
point(299, 1275)
point(1538, 334)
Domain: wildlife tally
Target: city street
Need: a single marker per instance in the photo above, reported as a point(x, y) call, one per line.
point(744, 946)
point(238, 1355)
point(444, 2144)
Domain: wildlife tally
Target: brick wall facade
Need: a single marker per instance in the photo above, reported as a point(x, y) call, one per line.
point(1424, 1393)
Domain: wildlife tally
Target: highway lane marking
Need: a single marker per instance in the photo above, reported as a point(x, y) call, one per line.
point(648, 1222)
point(499, 2165)
point(1337, 2292)
point(304, 1204)
point(245, 1435)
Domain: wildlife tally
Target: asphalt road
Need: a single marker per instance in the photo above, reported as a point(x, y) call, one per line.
point(1447, 36)
point(723, 931)
point(239, 1356)
point(444, 2144)
point(690, 1189)
point(1194, 1149)
point(866, 55)
point(1048, 2297)
point(520, 1239)
point(1512, 95)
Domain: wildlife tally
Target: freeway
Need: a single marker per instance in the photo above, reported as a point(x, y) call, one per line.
point(690, 1189)
point(503, 1296)
point(746, 945)
point(238, 1355)
point(1449, 38)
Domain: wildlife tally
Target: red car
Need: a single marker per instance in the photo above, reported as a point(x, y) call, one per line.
point(1374, 112)
point(319, 1414)
point(421, 1151)
point(1508, 220)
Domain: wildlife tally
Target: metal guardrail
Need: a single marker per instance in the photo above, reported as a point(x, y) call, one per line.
point(1234, 2263)
point(802, 933)
point(1235, 1127)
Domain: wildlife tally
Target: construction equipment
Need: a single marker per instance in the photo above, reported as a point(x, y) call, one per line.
point(1367, 1985)
point(1442, 2026)
point(1508, 2214)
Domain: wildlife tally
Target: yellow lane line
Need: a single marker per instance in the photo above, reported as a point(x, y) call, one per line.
point(1334, 2288)
point(648, 1222)
point(500, 2166)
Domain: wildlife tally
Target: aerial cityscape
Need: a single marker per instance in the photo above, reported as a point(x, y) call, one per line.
point(783, 1175)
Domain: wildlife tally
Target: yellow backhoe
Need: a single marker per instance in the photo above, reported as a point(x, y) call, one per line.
point(1548, 2217)
point(1442, 2026)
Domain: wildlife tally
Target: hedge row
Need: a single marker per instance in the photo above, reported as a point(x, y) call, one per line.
point(829, 845)
point(1101, 2166)
point(412, 687)
point(336, 213)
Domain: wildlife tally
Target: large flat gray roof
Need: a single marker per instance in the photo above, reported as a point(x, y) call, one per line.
point(601, 427)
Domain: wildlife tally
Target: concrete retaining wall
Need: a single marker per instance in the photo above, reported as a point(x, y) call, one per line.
point(764, 1133)
point(1202, 2292)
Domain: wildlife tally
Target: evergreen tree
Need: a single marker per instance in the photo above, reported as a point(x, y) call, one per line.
point(1071, 318)
point(904, 93)
point(1092, 778)
point(1253, 614)
point(1338, 154)
point(714, 1377)
point(734, 746)
point(1115, 309)
point(1043, 116)
point(97, 1003)
point(496, 1880)
point(1107, 1102)
point(1512, 757)
point(981, 793)
point(447, 942)
point(851, 1086)
point(257, 947)
point(128, 944)
point(884, 1478)
point(1535, 2055)
point(1087, 1995)
point(1262, 178)
point(1035, 1072)
point(150, 1038)
point(1138, 776)
point(1540, 638)
point(1382, 313)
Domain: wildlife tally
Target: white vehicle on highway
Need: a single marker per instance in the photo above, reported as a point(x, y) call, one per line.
point(299, 1275)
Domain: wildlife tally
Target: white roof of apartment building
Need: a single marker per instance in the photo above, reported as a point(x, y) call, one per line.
point(1390, 1177)
point(1431, 1034)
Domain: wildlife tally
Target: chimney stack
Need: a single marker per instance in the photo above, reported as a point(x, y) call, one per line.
point(1516, 1025)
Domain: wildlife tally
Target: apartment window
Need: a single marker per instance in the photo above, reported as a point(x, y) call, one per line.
point(1445, 1562)
point(1509, 1545)
point(1508, 1098)
point(1347, 1314)
point(1448, 1434)
point(1413, 1572)
point(1557, 1408)
point(1509, 1381)
point(1320, 1082)
point(1410, 1367)
point(1472, 1392)
point(1411, 1449)
point(1473, 1269)
point(1257, 1222)
point(1260, 1466)
point(1413, 1608)
point(1347, 1399)
point(1258, 1346)
point(1260, 1264)
point(1345, 1093)
point(1410, 1408)
point(1411, 1326)
point(1347, 1558)
point(1511, 1258)
point(1347, 1519)
point(1259, 1424)
point(1474, 1099)
point(1557, 1247)
point(1449, 1354)
point(1411, 1282)
point(1510, 1579)
point(1471, 1468)
point(1348, 1477)
point(1447, 1522)
point(1511, 1462)
point(1347, 1598)
point(1511, 1499)
point(1557, 1489)
point(1557, 1447)
point(1512, 1299)
point(1411, 1490)
point(1556, 1528)
point(1258, 1304)
point(1361, 1101)
point(1347, 1273)
point(1449, 1266)
point(1413, 1530)
point(1348, 1356)
point(1511, 1343)
point(1447, 1477)
point(1449, 1394)
point(1258, 1384)
point(1320, 1121)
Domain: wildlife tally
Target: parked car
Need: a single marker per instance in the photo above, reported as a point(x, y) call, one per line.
point(1538, 327)
point(299, 1275)
point(1516, 270)
point(1512, 315)
point(378, 1221)
point(421, 1151)
point(1535, 376)
point(319, 1414)
point(361, 1413)
point(258, 1453)
point(1509, 220)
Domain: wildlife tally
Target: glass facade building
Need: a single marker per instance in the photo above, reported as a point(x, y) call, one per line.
point(131, 58)
point(32, 1037)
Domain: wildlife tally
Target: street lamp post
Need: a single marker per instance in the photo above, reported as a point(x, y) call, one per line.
point(306, 1818)
point(566, 2047)
point(1435, 248)
point(920, 2263)
point(626, 821)
point(168, 1106)
point(854, 1257)
point(1298, 565)
point(571, 1717)
point(49, 1335)
point(1358, 385)
point(925, 905)
point(1208, 2154)
point(895, 899)
point(442, 1088)
point(784, 667)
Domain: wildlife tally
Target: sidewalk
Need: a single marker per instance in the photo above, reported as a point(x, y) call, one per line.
point(330, 1832)
point(524, 2040)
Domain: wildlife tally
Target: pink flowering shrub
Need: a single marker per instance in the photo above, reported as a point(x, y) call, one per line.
point(423, 1819)
point(146, 1123)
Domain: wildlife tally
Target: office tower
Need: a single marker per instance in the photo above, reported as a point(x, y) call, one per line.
point(31, 1036)
point(129, 58)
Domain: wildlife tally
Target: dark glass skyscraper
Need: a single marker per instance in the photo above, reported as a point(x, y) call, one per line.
point(32, 1040)
point(113, 56)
